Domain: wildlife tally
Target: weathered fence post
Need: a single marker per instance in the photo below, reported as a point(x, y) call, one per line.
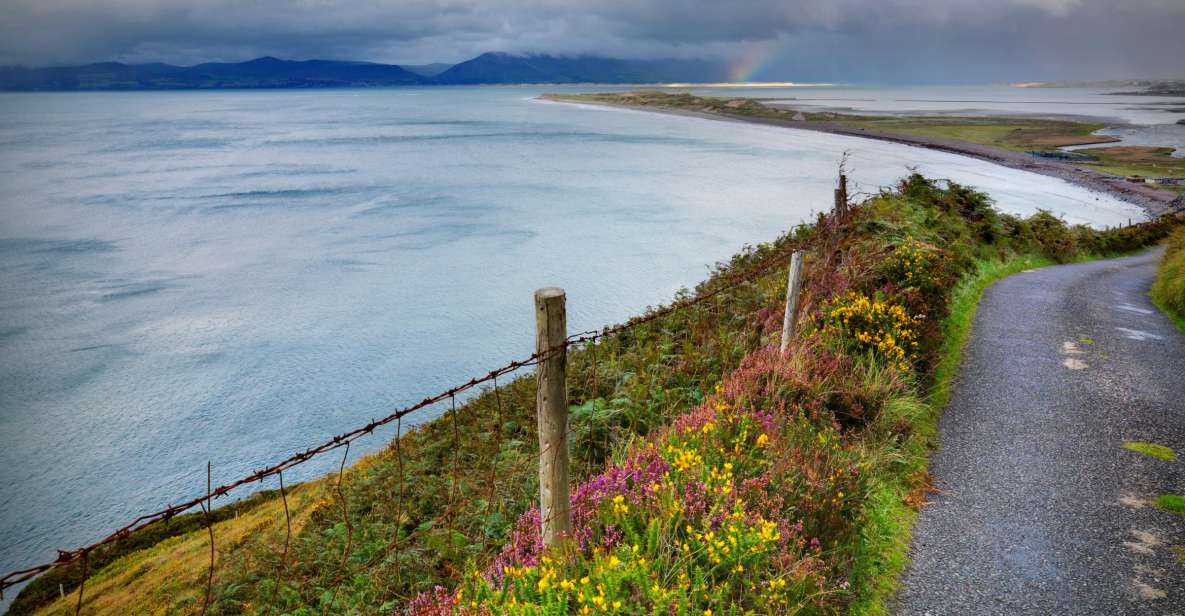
point(793, 286)
point(551, 405)
point(841, 195)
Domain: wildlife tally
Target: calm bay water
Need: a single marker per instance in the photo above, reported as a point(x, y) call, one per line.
point(233, 276)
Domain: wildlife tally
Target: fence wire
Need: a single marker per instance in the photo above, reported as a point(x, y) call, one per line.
point(725, 282)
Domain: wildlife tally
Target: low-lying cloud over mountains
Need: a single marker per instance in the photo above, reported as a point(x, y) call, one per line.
point(488, 68)
point(851, 40)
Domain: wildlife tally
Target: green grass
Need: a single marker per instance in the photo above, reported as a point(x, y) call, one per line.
point(1151, 449)
point(891, 508)
point(1171, 502)
point(1177, 318)
point(1018, 134)
point(1137, 160)
point(1168, 290)
point(47, 587)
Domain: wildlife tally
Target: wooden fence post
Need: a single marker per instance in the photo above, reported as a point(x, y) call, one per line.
point(793, 286)
point(841, 195)
point(551, 405)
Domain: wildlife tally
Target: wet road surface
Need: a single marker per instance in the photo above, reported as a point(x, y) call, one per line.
point(1041, 510)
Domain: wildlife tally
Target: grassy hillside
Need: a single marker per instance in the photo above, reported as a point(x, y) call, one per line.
point(1168, 292)
point(713, 474)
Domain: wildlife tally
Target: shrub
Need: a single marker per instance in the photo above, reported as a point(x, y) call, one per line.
point(869, 325)
point(731, 508)
point(1054, 239)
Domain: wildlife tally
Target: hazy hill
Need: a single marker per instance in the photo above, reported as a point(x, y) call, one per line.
point(507, 68)
point(428, 70)
point(274, 73)
point(258, 73)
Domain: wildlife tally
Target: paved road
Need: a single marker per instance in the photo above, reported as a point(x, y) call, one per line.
point(1040, 509)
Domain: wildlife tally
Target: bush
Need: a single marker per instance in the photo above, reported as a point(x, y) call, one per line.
point(1054, 238)
point(866, 325)
point(732, 507)
point(1168, 291)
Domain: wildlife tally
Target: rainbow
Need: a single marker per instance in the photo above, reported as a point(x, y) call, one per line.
point(751, 62)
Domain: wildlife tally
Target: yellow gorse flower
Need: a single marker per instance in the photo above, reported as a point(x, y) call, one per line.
point(873, 325)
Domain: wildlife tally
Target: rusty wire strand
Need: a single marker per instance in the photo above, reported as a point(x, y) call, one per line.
point(283, 565)
point(65, 557)
point(452, 492)
point(496, 438)
point(595, 393)
point(210, 527)
point(81, 584)
point(399, 507)
point(349, 532)
point(345, 510)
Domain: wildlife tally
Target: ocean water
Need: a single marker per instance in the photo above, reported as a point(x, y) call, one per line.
point(233, 276)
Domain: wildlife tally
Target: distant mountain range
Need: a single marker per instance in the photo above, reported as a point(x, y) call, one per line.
point(488, 68)
point(506, 68)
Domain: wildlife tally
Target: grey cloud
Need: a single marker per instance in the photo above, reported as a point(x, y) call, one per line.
point(885, 40)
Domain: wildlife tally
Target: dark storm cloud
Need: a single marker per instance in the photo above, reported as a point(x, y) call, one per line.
point(877, 40)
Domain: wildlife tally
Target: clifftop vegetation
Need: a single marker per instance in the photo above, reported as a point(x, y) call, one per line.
point(714, 475)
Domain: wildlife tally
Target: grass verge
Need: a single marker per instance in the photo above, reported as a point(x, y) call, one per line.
point(1168, 291)
point(892, 505)
point(45, 588)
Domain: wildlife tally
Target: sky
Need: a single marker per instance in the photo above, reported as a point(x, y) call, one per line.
point(873, 41)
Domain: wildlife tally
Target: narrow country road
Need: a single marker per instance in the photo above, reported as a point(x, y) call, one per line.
point(1039, 509)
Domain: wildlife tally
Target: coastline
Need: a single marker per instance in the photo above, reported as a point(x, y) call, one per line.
point(1153, 201)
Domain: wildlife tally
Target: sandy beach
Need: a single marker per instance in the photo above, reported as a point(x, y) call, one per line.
point(1154, 201)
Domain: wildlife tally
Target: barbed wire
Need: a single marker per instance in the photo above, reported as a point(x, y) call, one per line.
point(725, 282)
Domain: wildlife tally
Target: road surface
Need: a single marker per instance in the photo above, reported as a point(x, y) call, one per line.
point(1040, 509)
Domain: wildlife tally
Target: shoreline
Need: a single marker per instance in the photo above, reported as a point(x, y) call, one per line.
point(1153, 201)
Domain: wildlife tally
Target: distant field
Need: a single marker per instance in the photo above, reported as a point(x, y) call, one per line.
point(1010, 133)
point(1139, 160)
point(1020, 134)
point(1025, 135)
